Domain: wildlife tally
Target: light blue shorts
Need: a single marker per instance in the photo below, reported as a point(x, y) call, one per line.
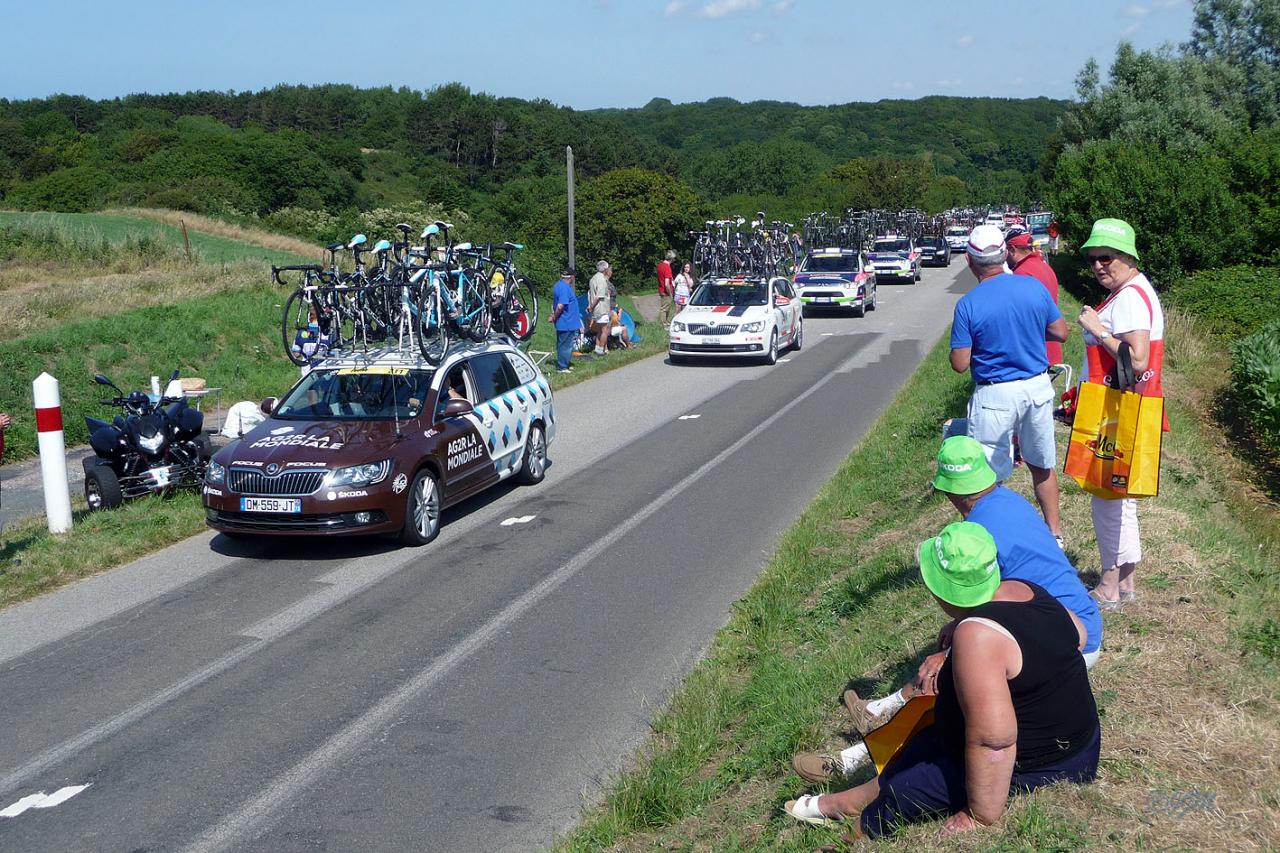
point(1023, 407)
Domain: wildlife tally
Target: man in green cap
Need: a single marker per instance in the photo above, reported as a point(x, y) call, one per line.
point(1027, 717)
point(1025, 550)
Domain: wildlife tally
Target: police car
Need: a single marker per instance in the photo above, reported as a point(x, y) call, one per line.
point(837, 278)
point(741, 316)
point(381, 442)
point(895, 257)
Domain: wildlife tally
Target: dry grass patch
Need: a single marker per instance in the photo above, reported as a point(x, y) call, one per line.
point(219, 228)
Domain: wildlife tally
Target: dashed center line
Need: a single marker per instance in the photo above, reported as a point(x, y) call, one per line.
point(518, 519)
point(688, 417)
point(43, 800)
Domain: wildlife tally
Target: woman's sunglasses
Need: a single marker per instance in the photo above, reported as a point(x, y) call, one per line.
point(1105, 260)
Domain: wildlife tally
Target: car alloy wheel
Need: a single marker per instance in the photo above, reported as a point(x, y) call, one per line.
point(422, 510)
point(534, 466)
point(771, 357)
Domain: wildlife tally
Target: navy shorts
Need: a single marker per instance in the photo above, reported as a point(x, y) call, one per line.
point(926, 780)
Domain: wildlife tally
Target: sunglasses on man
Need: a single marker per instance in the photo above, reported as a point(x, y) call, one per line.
point(1105, 260)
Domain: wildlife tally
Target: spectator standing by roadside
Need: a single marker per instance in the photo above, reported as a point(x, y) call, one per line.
point(1053, 236)
point(666, 287)
point(598, 306)
point(1025, 260)
point(1130, 315)
point(998, 334)
point(4, 425)
point(684, 287)
point(567, 319)
point(312, 343)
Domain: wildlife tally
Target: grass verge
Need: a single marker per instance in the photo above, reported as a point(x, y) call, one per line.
point(1187, 686)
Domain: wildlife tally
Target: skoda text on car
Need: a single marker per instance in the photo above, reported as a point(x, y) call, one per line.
point(737, 317)
point(935, 251)
point(895, 257)
point(381, 442)
point(836, 278)
point(957, 238)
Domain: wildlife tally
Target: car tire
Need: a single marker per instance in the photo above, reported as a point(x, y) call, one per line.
point(101, 486)
point(421, 510)
point(799, 338)
point(771, 356)
point(875, 293)
point(533, 464)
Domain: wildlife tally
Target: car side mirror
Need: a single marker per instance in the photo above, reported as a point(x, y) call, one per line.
point(269, 405)
point(455, 407)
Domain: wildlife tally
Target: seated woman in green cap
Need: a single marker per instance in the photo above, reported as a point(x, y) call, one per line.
point(1014, 708)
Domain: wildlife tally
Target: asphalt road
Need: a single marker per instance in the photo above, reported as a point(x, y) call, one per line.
point(471, 695)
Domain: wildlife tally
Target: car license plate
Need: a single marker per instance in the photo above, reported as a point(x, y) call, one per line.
point(711, 342)
point(270, 505)
point(823, 299)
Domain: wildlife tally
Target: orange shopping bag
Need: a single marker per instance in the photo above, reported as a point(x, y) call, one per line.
point(1115, 443)
point(887, 741)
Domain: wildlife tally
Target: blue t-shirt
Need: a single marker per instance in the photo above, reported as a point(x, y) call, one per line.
point(1027, 551)
point(562, 294)
point(1003, 320)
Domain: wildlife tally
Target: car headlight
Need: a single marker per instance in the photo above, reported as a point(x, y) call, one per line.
point(757, 326)
point(677, 327)
point(359, 475)
point(215, 473)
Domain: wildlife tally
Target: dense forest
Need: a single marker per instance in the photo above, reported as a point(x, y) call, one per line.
point(317, 161)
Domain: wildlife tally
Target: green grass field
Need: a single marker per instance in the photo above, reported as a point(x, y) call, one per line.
point(115, 228)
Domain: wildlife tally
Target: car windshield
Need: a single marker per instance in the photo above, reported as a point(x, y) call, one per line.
point(895, 245)
point(830, 263)
point(957, 232)
point(357, 394)
point(730, 293)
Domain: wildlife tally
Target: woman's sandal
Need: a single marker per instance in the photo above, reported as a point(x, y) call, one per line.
point(1128, 595)
point(1106, 605)
point(806, 809)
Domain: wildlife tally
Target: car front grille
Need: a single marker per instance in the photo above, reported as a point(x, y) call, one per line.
point(712, 328)
point(289, 483)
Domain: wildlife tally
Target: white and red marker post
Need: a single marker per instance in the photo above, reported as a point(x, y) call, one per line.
point(53, 452)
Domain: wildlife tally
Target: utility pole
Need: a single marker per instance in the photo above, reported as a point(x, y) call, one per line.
point(568, 156)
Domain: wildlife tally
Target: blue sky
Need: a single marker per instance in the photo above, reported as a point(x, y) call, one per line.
point(583, 53)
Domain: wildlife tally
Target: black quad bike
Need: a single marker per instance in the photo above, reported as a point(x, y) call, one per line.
point(150, 448)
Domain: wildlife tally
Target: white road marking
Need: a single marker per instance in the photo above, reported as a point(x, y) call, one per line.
point(783, 360)
point(43, 800)
point(688, 417)
point(520, 519)
point(827, 334)
point(248, 821)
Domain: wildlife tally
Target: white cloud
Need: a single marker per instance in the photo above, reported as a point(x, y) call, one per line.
point(965, 40)
point(1136, 10)
point(950, 83)
point(782, 7)
point(675, 7)
point(1131, 29)
point(904, 85)
point(759, 36)
point(720, 8)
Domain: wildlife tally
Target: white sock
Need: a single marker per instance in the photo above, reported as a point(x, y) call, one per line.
point(887, 705)
point(854, 757)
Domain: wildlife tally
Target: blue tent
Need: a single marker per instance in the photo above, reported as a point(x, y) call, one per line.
point(626, 319)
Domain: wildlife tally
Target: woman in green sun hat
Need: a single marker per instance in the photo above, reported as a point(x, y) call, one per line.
point(1027, 717)
point(1130, 314)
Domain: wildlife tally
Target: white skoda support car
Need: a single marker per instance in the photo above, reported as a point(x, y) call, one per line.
point(738, 317)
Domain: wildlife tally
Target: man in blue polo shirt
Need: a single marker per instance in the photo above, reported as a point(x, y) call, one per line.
point(998, 334)
point(566, 318)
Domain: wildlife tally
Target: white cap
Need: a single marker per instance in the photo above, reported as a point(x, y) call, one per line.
point(986, 243)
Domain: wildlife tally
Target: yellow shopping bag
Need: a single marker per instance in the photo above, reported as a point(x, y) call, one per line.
point(1115, 442)
point(888, 740)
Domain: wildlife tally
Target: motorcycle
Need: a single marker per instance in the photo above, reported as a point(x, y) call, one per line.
point(152, 447)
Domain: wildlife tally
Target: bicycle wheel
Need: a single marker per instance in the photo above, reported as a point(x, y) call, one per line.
point(476, 318)
point(293, 320)
point(433, 328)
point(520, 309)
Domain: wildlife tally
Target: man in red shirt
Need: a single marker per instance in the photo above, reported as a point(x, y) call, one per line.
point(1025, 260)
point(666, 287)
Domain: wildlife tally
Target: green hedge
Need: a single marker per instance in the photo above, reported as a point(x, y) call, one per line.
point(1235, 300)
point(1255, 376)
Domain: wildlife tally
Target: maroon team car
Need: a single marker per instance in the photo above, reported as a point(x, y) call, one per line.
point(380, 443)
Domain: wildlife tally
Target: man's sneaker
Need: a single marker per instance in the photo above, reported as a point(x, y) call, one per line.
point(565, 370)
point(817, 768)
point(864, 721)
point(599, 351)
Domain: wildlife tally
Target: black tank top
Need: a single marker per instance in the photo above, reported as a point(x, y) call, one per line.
point(1051, 695)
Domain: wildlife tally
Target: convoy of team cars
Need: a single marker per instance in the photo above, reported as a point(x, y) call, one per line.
point(935, 251)
point(740, 316)
point(895, 257)
point(837, 278)
point(381, 442)
point(957, 238)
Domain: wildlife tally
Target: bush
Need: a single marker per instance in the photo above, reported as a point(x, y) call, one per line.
point(1255, 379)
point(1235, 301)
